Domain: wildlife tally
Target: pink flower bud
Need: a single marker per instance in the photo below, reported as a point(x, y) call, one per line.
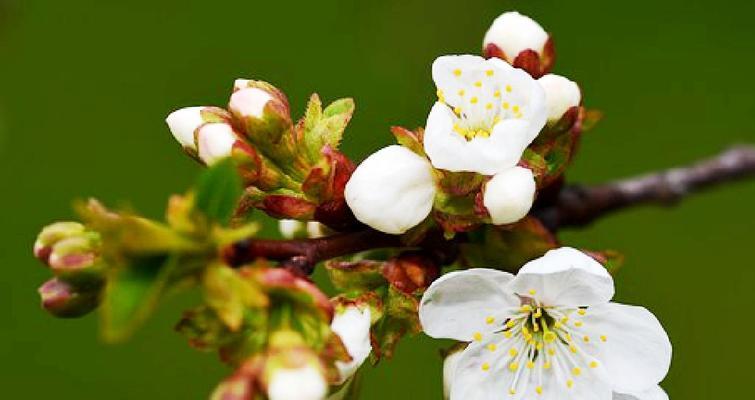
point(215, 142)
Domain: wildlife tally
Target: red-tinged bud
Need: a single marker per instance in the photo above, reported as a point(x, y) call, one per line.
point(63, 300)
point(411, 271)
point(280, 278)
point(281, 206)
point(261, 110)
point(74, 253)
point(52, 234)
point(293, 371)
point(521, 42)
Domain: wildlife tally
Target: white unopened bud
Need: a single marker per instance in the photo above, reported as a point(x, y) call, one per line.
point(509, 195)
point(250, 102)
point(449, 371)
point(513, 33)
point(215, 142)
point(392, 190)
point(239, 84)
point(183, 123)
point(304, 383)
point(352, 325)
point(290, 228)
point(561, 94)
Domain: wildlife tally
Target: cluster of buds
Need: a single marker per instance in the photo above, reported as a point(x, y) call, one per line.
point(71, 251)
point(501, 130)
point(289, 170)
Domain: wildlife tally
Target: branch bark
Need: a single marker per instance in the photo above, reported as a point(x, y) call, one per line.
point(574, 206)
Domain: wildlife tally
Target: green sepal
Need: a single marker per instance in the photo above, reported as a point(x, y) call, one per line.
point(399, 319)
point(230, 294)
point(218, 191)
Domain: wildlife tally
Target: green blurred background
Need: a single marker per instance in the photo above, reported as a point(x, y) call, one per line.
point(85, 86)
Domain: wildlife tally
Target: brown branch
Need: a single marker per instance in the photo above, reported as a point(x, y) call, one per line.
point(579, 205)
point(574, 206)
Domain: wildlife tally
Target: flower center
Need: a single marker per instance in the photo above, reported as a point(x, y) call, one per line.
point(538, 343)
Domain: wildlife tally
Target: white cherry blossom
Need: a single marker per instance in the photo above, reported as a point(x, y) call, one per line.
point(561, 94)
point(513, 33)
point(487, 113)
point(551, 332)
point(352, 325)
point(508, 196)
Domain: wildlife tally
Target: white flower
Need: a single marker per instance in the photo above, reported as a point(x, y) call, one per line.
point(561, 94)
point(392, 190)
point(508, 196)
point(550, 332)
point(215, 142)
point(183, 123)
point(352, 325)
point(513, 33)
point(487, 113)
point(449, 371)
point(654, 393)
point(304, 383)
point(249, 102)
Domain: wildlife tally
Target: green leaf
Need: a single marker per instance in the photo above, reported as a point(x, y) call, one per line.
point(132, 294)
point(218, 191)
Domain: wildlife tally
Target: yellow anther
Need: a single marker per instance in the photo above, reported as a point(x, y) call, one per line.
point(569, 383)
point(497, 94)
point(485, 366)
point(576, 371)
point(516, 110)
point(547, 365)
point(557, 325)
point(539, 346)
point(489, 106)
point(457, 72)
point(538, 313)
point(603, 338)
point(525, 308)
point(461, 92)
point(573, 349)
point(513, 352)
point(539, 390)
point(578, 324)
point(505, 105)
point(535, 327)
point(496, 119)
point(508, 88)
point(489, 72)
point(586, 339)
point(593, 364)
point(508, 334)
point(564, 320)
point(525, 331)
point(477, 336)
point(581, 311)
point(478, 84)
point(510, 323)
point(530, 364)
point(513, 366)
point(439, 93)
point(551, 352)
point(549, 337)
point(531, 291)
point(489, 320)
point(512, 391)
point(457, 110)
point(473, 100)
point(492, 347)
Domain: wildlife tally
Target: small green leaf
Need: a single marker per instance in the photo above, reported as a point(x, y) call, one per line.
point(218, 191)
point(132, 294)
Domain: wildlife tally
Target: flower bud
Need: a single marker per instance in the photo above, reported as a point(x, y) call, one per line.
point(74, 253)
point(291, 228)
point(509, 195)
point(293, 371)
point(183, 123)
point(216, 142)
point(63, 300)
point(411, 271)
point(261, 108)
point(520, 41)
point(352, 325)
point(561, 94)
point(52, 234)
point(392, 190)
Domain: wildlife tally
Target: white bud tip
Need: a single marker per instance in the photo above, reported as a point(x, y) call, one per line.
point(306, 383)
point(509, 195)
point(239, 84)
point(561, 94)
point(183, 123)
point(250, 102)
point(513, 33)
point(352, 325)
point(215, 142)
point(290, 228)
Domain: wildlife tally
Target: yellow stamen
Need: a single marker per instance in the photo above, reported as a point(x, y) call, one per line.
point(485, 366)
point(477, 336)
point(457, 72)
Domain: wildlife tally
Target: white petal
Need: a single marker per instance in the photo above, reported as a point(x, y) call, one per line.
point(654, 393)
point(513, 33)
point(249, 102)
point(449, 371)
point(352, 325)
point(215, 142)
point(508, 196)
point(239, 84)
point(633, 347)
point(183, 123)
point(306, 383)
point(564, 277)
point(460, 304)
point(561, 94)
point(290, 228)
point(392, 190)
